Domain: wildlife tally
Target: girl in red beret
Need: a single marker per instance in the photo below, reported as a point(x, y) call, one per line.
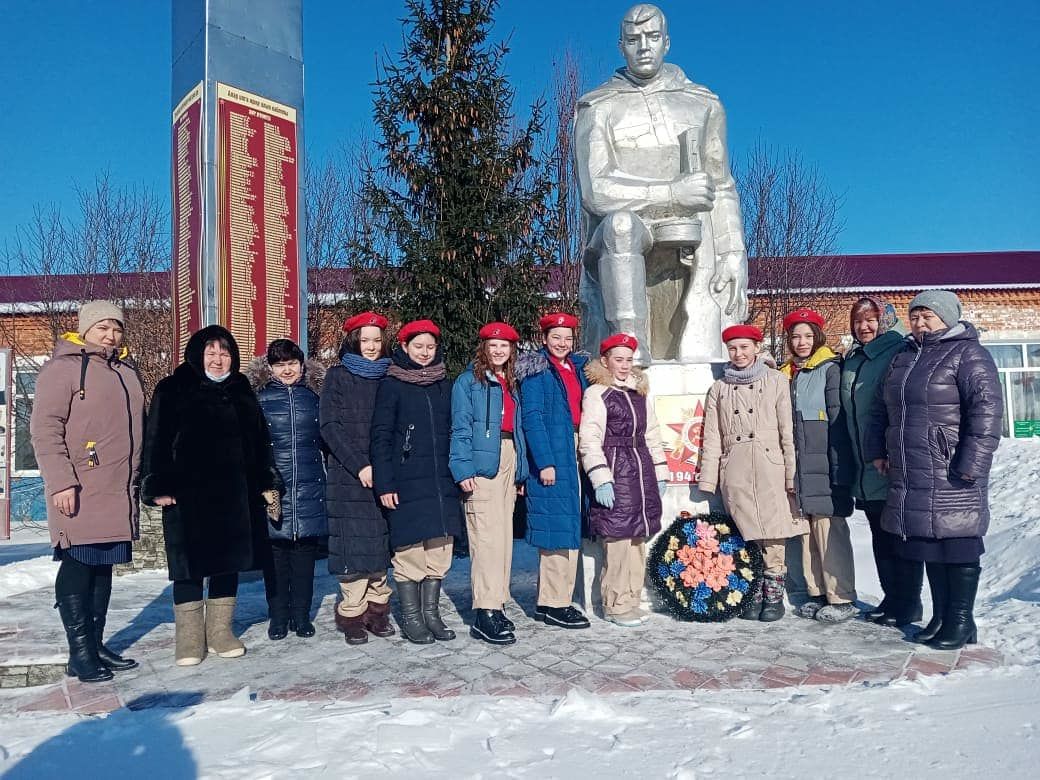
point(824, 470)
point(748, 454)
point(411, 430)
point(489, 462)
point(358, 536)
point(620, 445)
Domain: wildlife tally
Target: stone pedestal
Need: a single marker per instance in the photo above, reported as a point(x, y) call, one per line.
point(678, 392)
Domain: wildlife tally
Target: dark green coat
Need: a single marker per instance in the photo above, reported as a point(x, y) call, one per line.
point(862, 376)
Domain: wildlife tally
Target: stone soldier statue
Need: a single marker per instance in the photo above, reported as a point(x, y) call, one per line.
point(650, 149)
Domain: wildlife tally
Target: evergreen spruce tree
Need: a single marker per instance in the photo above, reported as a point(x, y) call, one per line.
point(459, 195)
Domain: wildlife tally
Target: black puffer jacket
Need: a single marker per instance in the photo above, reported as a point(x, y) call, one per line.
point(206, 444)
point(939, 427)
point(291, 412)
point(359, 542)
point(410, 442)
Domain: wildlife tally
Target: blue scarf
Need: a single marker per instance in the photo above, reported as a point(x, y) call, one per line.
point(365, 368)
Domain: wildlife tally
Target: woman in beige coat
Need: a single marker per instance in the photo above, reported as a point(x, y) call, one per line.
point(748, 454)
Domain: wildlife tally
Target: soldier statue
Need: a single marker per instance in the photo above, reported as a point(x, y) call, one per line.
point(650, 149)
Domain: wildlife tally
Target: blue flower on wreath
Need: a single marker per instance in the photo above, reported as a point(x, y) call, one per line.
point(677, 567)
point(737, 583)
point(663, 571)
point(731, 546)
point(701, 592)
point(700, 606)
point(690, 530)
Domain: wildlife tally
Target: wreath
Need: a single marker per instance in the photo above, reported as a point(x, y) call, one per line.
point(703, 569)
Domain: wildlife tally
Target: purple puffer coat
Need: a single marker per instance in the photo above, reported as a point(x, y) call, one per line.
point(939, 426)
point(619, 441)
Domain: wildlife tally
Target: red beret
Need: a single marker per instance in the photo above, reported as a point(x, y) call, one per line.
point(499, 330)
point(415, 327)
point(364, 319)
point(618, 340)
point(803, 315)
point(557, 319)
point(742, 332)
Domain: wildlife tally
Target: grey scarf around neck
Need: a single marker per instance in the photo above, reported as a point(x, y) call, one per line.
point(744, 376)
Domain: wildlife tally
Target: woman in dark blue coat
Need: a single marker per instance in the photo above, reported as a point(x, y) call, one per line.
point(935, 436)
point(287, 387)
point(552, 381)
point(359, 542)
point(411, 432)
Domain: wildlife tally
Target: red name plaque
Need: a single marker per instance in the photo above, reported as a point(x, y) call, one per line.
point(186, 157)
point(257, 177)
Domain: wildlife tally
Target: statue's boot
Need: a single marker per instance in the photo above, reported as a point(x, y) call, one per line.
point(625, 303)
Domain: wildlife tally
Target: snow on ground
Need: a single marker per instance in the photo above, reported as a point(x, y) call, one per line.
point(966, 723)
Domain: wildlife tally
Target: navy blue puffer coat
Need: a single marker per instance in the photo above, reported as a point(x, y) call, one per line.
point(939, 426)
point(291, 412)
point(410, 438)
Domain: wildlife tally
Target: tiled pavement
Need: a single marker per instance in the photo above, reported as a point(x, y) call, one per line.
point(662, 655)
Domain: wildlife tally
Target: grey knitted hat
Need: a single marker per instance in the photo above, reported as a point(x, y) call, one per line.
point(93, 312)
point(943, 302)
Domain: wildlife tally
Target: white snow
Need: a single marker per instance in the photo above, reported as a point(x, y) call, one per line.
point(965, 724)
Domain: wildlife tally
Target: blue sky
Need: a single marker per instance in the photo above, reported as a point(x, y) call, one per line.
point(923, 114)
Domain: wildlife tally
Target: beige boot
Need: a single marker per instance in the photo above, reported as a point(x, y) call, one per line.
point(221, 639)
point(190, 631)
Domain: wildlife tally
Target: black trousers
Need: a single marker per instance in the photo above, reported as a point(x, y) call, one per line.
point(289, 578)
point(220, 586)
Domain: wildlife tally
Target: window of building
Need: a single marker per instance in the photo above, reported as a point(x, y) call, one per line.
point(1019, 368)
point(25, 389)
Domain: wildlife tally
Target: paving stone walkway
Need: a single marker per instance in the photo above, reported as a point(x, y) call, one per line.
point(662, 655)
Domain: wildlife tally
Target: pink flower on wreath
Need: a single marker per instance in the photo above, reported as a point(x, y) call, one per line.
point(706, 530)
point(708, 545)
point(718, 577)
point(691, 577)
point(686, 554)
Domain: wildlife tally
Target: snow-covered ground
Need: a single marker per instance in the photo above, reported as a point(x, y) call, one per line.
point(967, 723)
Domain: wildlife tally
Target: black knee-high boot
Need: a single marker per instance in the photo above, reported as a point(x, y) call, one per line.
point(84, 663)
point(940, 592)
point(958, 623)
point(908, 577)
point(102, 594)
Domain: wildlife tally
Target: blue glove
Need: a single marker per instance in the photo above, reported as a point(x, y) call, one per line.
point(605, 495)
point(662, 487)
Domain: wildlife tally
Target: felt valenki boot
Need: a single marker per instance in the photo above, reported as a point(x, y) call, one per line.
point(190, 628)
point(79, 631)
point(219, 636)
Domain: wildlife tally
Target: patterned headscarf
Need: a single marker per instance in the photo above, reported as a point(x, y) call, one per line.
point(886, 313)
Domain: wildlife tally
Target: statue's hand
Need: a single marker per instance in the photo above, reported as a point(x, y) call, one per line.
point(731, 271)
point(694, 191)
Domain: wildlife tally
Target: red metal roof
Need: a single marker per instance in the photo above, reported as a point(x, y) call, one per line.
point(955, 270)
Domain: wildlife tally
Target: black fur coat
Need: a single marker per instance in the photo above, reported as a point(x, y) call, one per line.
point(206, 444)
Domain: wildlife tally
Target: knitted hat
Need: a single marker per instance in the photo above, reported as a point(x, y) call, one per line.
point(943, 302)
point(93, 312)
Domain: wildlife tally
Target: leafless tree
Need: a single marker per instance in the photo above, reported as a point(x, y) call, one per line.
point(565, 222)
point(116, 247)
point(792, 221)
